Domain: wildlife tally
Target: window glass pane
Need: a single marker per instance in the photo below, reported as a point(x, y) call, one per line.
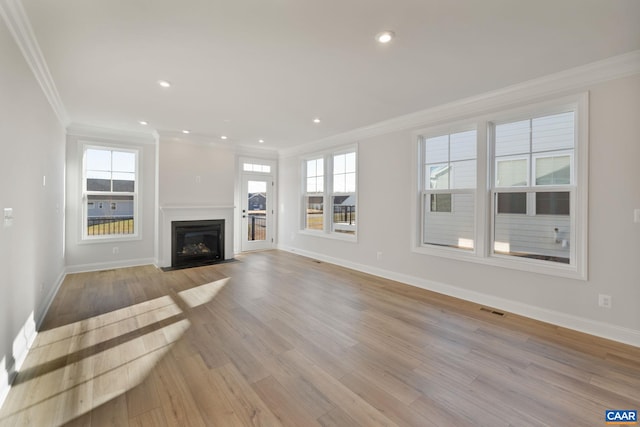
point(511, 173)
point(454, 229)
point(98, 160)
point(512, 138)
point(315, 209)
point(438, 176)
point(350, 183)
point(463, 174)
point(350, 162)
point(339, 164)
point(109, 215)
point(512, 203)
point(99, 184)
point(437, 149)
point(540, 237)
point(553, 170)
point(339, 183)
point(124, 161)
point(311, 167)
point(312, 185)
point(552, 203)
point(554, 132)
point(463, 145)
point(247, 167)
point(440, 202)
point(344, 214)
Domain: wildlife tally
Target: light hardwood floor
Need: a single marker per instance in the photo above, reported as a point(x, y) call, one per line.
point(278, 339)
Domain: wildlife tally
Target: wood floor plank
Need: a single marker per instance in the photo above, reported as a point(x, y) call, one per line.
point(286, 340)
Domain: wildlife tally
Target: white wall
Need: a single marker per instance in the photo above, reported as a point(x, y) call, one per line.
point(97, 255)
point(196, 174)
point(31, 249)
point(385, 183)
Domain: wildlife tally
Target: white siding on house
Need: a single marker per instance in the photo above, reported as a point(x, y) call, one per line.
point(446, 228)
point(534, 234)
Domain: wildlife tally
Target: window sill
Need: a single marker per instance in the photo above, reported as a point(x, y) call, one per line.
point(334, 236)
point(505, 261)
point(98, 240)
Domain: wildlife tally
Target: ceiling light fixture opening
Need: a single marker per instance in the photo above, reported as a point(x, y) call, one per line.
point(223, 137)
point(186, 131)
point(385, 36)
point(163, 83)
point(143, 122)
point(261, 141)
point(316, 120)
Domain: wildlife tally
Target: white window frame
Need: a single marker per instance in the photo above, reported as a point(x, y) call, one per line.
point(328, 229)
point(136, 235)
point(484, 200)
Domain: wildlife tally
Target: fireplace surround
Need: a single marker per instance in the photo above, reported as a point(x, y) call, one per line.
point(197, 242)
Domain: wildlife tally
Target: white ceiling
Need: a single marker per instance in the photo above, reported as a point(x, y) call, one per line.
point(254, 69)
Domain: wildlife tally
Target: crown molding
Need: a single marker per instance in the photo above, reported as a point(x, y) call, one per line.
point(557, 84)
point(81, 130)
point(18, 24)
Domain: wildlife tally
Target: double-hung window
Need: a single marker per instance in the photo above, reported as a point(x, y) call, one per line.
point(110, 193)
point(448, 186)
point(533, 190)
point(329, 200)
point(508, 189)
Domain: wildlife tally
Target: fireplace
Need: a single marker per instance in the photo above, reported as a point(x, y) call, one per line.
point(195, 243)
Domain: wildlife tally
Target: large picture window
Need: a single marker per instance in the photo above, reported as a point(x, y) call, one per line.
point(330, 182)
point(110, 189)
point(448, 189)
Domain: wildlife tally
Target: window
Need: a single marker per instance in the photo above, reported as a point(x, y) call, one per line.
point(448, 189)
point(536, 157)
point(511, 194)
point(330, 181)
point(252, 167)
point(344, 193)
point(314, 199)
point(109, 192)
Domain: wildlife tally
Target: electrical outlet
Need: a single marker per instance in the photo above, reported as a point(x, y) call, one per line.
point(636, 215)
point(379, 255)
point(116, 250)
point(604, 301)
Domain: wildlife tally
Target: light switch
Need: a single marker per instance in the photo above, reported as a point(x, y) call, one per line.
point(636, 215)
point(8, 216)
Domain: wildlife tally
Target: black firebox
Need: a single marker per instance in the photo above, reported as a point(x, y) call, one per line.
point(195, 243)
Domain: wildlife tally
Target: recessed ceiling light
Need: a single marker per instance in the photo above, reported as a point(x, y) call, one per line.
point(164, 83)
point(223, 137)
point(261, 141)
point(186, 131)
point(385, 36)
point(316, 120)
point(143, 122)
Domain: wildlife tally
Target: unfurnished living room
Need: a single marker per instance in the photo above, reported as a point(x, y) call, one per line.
point(337, 213)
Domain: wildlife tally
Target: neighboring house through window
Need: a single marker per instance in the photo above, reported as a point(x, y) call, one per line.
point(330, 196)
point(110, 191)
point(513, 193)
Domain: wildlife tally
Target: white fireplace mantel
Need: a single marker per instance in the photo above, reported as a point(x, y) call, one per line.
point(170, 213)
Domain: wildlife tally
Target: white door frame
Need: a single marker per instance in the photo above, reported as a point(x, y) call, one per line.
point(270, 209)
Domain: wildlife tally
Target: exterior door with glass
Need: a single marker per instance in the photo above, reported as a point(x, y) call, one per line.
point(257, 212)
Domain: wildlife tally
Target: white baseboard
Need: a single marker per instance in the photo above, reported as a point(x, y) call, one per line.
point(588, 326)
point(97, 266)
point(42, 312)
